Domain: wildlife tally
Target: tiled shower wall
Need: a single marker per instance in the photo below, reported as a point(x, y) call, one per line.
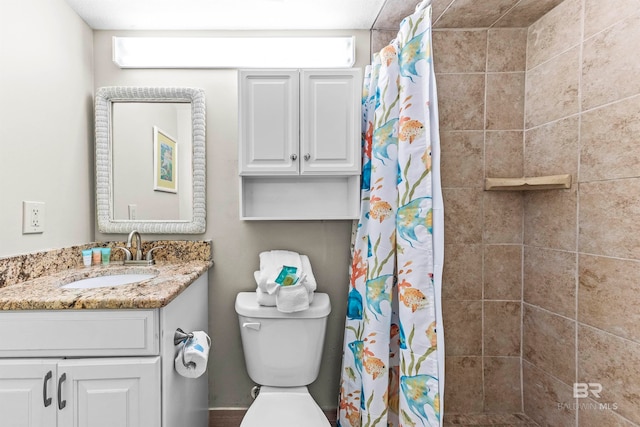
point(548, 280)
point(480, 76)
point(582, 246)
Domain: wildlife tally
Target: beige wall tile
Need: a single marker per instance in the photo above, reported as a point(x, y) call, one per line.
point(463, 325)
point(503, 212)
point(502, 328)
point(609, 80)
point(615, 364)
point(503, 272)
point(597, 17)
point(550, 219)
point(590, 414)
point(555, 32)
point(550, 280)
point(547, 401)
point(461, 101)
point(549, 343)
point(552, 149)
point(472, 14)
point(464, 385)
point(505, 101)
point(526, 12)
point(460, 51)
point(504, 154)
point(462, 276)
point(502, 392)
point(506, 49)
point(609, 212)
point(609, 295)
point(462, 158)
point(463, 215)
point(381, 38)
point(551, 90)
point(609, 141)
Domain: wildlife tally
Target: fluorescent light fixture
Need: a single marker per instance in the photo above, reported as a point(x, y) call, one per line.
point(234, 52)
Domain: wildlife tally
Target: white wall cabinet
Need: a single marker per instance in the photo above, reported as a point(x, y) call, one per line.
point(129, 382)
point(299, 151)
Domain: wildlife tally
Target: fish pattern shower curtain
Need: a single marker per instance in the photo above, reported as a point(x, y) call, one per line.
point(392, 372)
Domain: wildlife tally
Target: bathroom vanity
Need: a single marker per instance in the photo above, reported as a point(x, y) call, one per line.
point(102, 356)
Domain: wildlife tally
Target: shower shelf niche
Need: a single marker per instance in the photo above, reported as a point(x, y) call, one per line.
point(551, 182)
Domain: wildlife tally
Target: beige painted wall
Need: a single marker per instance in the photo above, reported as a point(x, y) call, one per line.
point(46, 152)
point(236, 243)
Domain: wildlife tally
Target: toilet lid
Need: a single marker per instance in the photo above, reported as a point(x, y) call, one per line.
point(292, 408)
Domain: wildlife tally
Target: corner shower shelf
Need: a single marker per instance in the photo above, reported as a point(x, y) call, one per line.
point(552, 182)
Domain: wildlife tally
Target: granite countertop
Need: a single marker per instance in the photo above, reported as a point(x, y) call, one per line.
point(44, 293)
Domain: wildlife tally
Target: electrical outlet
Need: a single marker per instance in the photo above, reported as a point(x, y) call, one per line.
point(133, 215)
point(32, 217)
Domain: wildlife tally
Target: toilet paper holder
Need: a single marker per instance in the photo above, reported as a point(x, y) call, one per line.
point(181, 336)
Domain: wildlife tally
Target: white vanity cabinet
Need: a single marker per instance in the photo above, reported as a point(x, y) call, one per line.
point(299, 137)
point(95, 368)
point(80, 392)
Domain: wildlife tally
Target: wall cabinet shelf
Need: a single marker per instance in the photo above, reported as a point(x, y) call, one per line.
point(551, 182)
point(299, 149)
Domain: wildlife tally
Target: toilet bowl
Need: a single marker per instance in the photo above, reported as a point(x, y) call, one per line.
point(282, 354)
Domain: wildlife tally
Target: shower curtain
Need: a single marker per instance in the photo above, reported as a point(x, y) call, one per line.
point(393, 361)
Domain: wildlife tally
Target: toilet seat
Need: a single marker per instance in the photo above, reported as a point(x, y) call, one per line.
point(284, 407)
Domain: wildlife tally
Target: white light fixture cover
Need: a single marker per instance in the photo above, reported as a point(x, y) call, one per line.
point(234, 52)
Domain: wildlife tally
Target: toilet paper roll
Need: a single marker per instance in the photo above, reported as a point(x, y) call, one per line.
point(193, 355)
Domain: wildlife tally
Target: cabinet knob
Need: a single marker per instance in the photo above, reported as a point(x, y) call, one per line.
point(307, 157)
point(294, 157)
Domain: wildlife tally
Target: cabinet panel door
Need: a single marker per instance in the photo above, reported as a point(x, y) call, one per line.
point(330, 125)
point(268, 114)
point(25, 389)
point(110, 392)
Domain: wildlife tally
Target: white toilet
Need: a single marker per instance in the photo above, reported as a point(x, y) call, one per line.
point(282, 353)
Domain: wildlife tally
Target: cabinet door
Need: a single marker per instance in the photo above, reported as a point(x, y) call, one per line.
point(330, 125)
point(268, 115)
point(110, 392)
point(27, 393)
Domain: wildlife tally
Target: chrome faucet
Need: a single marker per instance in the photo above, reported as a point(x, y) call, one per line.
point(135, 234)
point(128, 258)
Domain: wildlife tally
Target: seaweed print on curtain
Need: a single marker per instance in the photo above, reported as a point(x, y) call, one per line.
point(390, 372)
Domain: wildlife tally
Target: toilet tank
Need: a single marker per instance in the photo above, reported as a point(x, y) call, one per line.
point(282, 349)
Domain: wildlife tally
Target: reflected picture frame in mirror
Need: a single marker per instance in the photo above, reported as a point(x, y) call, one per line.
point(104, 101)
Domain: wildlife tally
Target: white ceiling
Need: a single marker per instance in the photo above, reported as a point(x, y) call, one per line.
point(229, 14)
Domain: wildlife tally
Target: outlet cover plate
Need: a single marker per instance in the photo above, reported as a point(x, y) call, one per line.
point(33, 214)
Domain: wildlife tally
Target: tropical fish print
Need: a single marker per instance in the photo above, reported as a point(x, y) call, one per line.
point(431, 334)
point(389, 377)
point(413, 215)
point(377, 293)
point(357, 348)
point(414, 299)
point(412, 53)
point(388, 54)
point(383, 138)
point(373, 365)
point(380, 210)
point(418, 394)
point(410, 130)
point(354, 305)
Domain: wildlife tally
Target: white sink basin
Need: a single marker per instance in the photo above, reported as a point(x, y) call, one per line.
point(108, 281)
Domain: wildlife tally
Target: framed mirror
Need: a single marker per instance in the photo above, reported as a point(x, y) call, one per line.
point(150, 160)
